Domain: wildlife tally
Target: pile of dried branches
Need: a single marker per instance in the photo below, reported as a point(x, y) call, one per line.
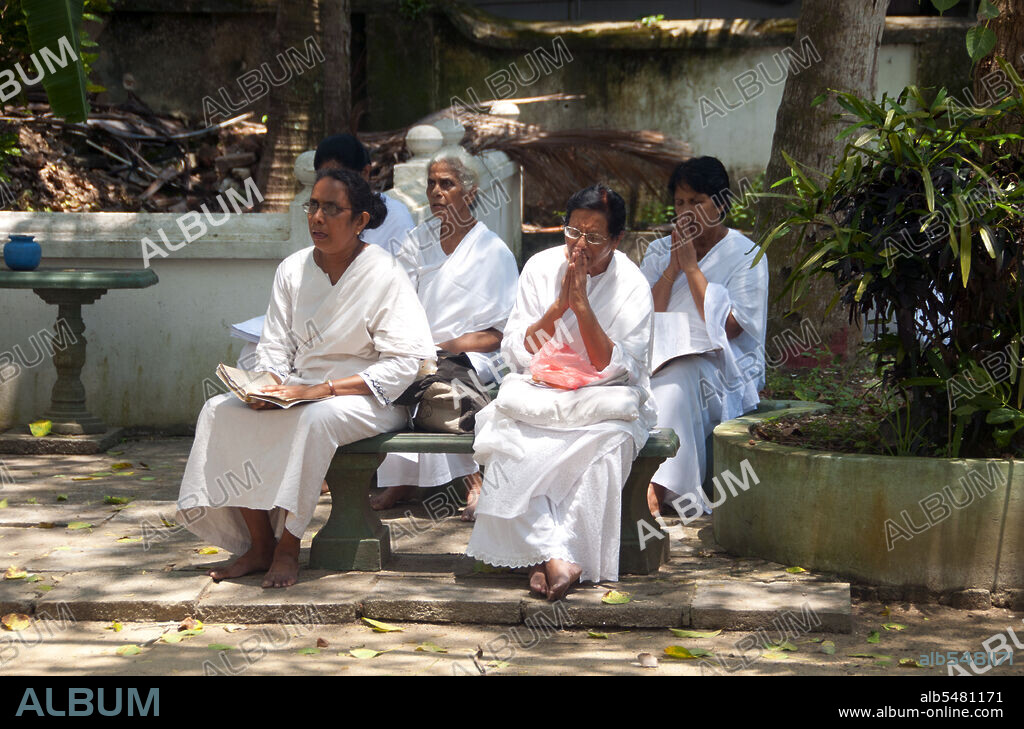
point(156, 161)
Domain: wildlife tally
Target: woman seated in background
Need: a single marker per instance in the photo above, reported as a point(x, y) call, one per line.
point(465, 277)
point(705, 270)
point(373, 334)
point(552, 491)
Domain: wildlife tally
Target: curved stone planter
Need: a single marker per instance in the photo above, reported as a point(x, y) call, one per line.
point(936, 523)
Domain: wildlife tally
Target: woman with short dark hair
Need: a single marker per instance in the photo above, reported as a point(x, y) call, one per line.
point(344, 327)
point(703, 277)
point(553, 477)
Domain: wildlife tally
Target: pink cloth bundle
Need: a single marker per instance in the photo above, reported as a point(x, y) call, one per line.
point(558, 365)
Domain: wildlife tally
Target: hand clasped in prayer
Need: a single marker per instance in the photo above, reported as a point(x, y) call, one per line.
point(574, 284)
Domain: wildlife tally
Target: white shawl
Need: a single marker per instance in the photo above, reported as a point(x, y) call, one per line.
point(471, 290)
point(733, 286)
point(369, 323)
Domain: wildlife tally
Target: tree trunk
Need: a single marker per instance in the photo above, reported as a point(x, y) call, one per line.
point(296, 119)
point(846, 36)
point(1009, 29)
point(336, 29)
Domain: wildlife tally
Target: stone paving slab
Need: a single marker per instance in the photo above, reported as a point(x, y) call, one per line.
point(16, 596)
point(738, 605)
point(30, 515)
point(661, 604)
point(428, 580)
point(448, 599)
point(126, 596)
point(319, 596)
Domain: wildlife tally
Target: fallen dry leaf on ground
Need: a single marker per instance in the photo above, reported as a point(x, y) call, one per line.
point(15, 621)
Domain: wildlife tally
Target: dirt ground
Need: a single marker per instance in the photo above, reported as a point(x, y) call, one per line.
point(50, 648)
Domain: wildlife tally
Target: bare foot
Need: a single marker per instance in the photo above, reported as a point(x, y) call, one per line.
point(538, 580)
point(561, 576)
point(256, 559)
point(655, 496)
point(324, 489)
point(473, 483)
point(387, 498)
point(284, 570)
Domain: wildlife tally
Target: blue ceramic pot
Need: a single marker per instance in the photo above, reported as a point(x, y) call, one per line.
point(22, 253)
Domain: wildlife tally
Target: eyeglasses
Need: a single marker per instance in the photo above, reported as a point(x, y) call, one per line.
point(330, 209)
point(590, 238)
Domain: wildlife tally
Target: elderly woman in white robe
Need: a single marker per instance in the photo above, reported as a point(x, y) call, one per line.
point(705, 270)
point(370, 335)
point(552, 491)
point(466, 278)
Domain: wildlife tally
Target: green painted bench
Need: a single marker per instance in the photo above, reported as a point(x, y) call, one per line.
point(355, 539)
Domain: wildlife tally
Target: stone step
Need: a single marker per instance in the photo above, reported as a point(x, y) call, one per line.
point(491, 599)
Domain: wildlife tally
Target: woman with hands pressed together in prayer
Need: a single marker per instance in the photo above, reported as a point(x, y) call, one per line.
point(706, 271)
point(551, 495)
point(344, 324)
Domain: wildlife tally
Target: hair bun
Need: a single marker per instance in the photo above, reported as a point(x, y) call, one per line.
point(378, 211)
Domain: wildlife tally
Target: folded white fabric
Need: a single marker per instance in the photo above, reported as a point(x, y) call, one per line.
point(519, 398)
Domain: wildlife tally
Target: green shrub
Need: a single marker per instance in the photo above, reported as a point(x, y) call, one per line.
point(920, 227)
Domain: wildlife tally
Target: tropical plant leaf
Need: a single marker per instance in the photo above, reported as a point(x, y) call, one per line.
point(56, 26)
point(980, 42)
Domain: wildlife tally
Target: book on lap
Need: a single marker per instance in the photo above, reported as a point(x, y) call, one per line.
point(676, 334)
point(246, 386)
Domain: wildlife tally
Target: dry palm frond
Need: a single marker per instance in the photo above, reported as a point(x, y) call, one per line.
point(556, 163)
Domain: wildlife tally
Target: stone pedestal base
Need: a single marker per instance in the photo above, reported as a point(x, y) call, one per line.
point(18, 440)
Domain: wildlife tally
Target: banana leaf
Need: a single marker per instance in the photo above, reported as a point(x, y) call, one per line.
point(49, 22)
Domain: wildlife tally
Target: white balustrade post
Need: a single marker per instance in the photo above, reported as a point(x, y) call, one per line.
point(306, 176)
point(410, 177)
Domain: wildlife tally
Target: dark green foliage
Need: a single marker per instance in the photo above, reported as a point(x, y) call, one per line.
point(920, 227)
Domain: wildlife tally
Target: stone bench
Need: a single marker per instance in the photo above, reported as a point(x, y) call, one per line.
point(355, 539)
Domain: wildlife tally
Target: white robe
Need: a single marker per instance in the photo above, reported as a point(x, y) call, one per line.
point(697, 392)
point(471, 290)
point(371, 324)
point(556, 492)
point(388, 235)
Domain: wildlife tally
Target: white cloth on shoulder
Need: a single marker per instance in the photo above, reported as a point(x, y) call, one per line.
point(370, 324)
point(697, 392)
point(471, 290)
point(388, 235)
point(554, 492)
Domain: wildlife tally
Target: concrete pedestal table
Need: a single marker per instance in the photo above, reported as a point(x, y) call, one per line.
point(69, 289)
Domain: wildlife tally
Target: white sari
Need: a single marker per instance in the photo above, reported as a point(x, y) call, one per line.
point(551, 491)
point(369, 323)
point(697, 392)
point(471, 290)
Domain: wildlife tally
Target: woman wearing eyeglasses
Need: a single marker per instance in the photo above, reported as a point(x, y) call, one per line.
point(706, 271)
point(551, 497)
point(344, 324)
point(465, 276)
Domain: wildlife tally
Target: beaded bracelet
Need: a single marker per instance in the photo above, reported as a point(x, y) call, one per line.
point(330, 386)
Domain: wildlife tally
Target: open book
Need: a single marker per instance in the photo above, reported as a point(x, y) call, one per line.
point(676, 334)
point(246, 386)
